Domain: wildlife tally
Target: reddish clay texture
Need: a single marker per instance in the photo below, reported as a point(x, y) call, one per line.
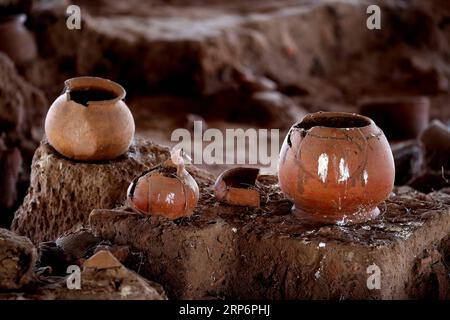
point(234, 186)
point(336, 167)
point(166, 190)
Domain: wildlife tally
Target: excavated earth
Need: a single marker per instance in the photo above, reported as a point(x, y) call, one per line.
point(226, 251)
point(240, 252)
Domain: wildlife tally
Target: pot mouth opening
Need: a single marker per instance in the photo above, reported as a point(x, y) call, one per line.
point(88, 90)
point(337, 120)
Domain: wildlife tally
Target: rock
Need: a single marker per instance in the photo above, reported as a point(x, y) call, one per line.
point(63, 193)
point(17, 258)
point(436, 141)
point(21, 117)
point(116, 283)
point(77, 245)
point(103, 278)
point(103, 259)
point(10, 167)
point(197, 51)
point(276, 109)
point(120, 252)
point(22, 105)
point(431, 180)
point(267, 253)
point(248, 81)
point(76, 248)
point(408, 158)
point(52, 260)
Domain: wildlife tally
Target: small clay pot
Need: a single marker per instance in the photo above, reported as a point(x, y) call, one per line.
point(400, 118)
point(90, 121)
point(336, 167)
point(166, 190)
point(16, 41)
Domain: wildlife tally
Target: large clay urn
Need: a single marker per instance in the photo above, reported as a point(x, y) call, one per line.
point(336, 168)
point(90, 121)
point(16, 41)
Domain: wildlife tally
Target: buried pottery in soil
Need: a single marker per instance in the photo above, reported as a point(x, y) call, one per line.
point(90, 121)
point(336, 167)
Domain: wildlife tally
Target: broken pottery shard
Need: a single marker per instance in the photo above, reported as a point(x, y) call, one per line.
point(102, 260)
point(17, 258)
point(237, 186)
point(63, 192)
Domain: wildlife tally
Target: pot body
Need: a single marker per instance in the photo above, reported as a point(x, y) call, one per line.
point(336, 174)
point(101, 130)
point(171, 197)
point(17, 42)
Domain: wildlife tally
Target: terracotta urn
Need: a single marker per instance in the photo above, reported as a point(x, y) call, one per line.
point(90, 121)
point(336, 168)
point(16, 41)
point(399, 117)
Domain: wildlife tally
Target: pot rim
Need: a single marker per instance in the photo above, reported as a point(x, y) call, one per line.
point(89, 82)
point(328, 114)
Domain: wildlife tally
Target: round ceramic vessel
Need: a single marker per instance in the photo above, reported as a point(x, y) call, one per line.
point(17, 42)
point(94, 131)
point(336, 167)
point(168, 195)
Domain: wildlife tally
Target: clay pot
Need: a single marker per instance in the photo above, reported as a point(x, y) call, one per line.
point(400, 118)
point(166, 190)
point(336, 167)
point(17, 42)
point(89, 121)
point(237, 186)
